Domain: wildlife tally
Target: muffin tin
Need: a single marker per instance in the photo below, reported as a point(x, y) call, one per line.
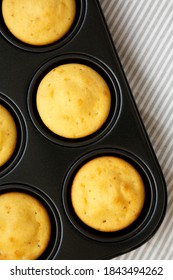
point(44, 164)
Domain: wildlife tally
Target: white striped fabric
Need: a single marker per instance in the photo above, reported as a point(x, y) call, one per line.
point(142, 31)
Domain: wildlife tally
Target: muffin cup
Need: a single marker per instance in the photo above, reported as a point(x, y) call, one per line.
point(107, 75)
point(56, 228)
point(75, 28)
point(21, 135)
point(139, 225)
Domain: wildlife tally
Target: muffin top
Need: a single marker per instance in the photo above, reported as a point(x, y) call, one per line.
point(107, 194)
point(39, 22)
point(73, 100)
point(8, 135)
point(25, 227)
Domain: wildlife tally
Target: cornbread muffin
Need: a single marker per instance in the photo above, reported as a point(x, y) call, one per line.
point(73, 100)
point(39, 22)
point(25, 227)
point(8, 135)
point(107, 194)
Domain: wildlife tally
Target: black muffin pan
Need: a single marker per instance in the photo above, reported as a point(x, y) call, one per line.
point(44, 164)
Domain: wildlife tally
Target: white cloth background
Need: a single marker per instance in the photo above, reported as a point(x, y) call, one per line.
point(142, 31)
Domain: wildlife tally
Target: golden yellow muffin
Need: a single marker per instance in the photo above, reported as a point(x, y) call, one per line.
point(39, 22)
point(8, 135)
point(107, 194)
point(73, 100)
point(25, 227)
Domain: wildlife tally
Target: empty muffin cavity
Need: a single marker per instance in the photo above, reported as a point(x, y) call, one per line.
point(73, 100)
point(108, 195)
point(41, 25)
point(29, 225)
point(12, 135)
